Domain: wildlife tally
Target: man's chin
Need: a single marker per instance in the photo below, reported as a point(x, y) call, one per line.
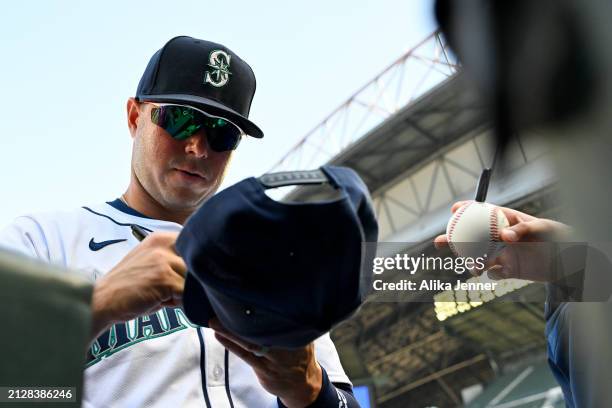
point(187, 204)
point(183, 200)
point(180, 195)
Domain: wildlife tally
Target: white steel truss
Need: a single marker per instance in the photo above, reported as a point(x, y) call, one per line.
point(453, 175)
point(410, 76)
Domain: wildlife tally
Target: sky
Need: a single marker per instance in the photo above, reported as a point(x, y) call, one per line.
point(68, 68)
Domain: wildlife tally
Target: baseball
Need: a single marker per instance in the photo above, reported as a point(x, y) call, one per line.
point(473, 231)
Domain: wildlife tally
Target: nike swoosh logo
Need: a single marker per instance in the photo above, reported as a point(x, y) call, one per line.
point(96, 246)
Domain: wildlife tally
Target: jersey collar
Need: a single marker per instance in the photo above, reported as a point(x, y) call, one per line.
point(123, 207)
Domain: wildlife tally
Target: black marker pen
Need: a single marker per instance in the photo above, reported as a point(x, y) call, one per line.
point(139, 232)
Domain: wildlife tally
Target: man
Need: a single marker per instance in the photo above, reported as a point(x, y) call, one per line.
point(578, 325)
point(190, 112)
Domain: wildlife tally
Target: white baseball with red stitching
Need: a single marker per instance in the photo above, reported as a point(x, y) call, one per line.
point(473, 230)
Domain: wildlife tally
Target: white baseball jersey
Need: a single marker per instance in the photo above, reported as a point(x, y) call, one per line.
point(160, 360)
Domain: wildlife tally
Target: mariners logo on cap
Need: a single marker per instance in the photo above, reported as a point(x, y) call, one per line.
point(219, 60)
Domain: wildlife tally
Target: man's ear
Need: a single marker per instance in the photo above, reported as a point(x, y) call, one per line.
point(133, 113)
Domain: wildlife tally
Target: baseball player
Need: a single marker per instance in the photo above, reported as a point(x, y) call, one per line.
point(189, 113)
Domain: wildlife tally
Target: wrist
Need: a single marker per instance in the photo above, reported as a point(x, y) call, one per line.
point(101, 319)
point(308, 391)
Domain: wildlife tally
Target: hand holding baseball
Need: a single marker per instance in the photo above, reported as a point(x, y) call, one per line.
point(473, 230)
point(521, 261)
point(293, 375)
point(150, 277)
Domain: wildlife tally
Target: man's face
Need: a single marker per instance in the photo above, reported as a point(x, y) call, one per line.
point(178, 174)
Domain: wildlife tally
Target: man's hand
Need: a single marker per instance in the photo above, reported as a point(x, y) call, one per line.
point(294, 375)
point(150, 277)
point(519, 259)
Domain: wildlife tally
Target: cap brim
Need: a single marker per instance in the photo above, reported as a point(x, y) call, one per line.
point(196, 305)
point(210, 106)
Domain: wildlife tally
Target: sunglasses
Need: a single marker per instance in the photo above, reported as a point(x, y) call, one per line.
point(182, 122)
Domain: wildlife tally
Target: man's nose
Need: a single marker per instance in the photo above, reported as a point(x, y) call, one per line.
point(197, 145)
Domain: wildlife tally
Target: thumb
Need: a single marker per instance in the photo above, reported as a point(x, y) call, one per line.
point(517, 232)
point(440, 241)
point(524, 231)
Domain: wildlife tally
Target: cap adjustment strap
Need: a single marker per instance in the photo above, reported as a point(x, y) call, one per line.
point(292, 178)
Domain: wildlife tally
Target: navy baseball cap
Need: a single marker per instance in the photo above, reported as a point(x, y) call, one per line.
point(276, 273)
point(202, 74)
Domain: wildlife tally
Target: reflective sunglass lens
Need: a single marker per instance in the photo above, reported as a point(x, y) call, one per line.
point(183, 122)
point(223, 139)
point(177, 121)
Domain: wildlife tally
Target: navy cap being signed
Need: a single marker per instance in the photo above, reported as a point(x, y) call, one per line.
point(279, 273)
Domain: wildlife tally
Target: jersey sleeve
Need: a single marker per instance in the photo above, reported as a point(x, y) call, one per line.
point(25, 235)
point(328, 358)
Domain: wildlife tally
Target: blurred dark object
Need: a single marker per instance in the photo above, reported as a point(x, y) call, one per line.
point(546, 65)
point(46, 326)
point(536, 62)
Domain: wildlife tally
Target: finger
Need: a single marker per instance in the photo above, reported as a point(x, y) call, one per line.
point(177, 264)
point(161, 239)
point(525, 231)
point(502, 266)
point(163, 242)
point(482, 271)
point(458, 205)
point(477, 271)
point(174, 302)
point(497, 272)
point(441, 241)
point(217, 327)
point(248, 357)
point(503, 257)
point(512, 234)
point(516, 217)
point(169, 289)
